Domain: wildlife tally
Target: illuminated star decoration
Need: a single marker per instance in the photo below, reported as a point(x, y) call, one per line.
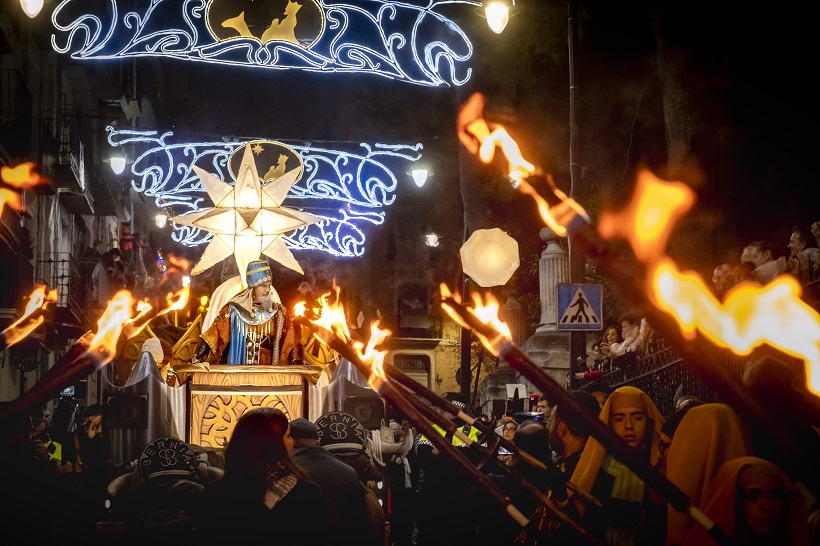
point(247, 219)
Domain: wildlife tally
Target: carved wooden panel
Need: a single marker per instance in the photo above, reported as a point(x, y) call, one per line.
point(214, 416)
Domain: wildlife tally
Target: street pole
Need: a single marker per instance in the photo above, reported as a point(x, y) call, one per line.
point(577, 260)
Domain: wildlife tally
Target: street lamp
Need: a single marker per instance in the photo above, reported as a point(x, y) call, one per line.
point(419, 176)
point(432, 240)
point(498, 14)
point(31, 7)
point(160, 220)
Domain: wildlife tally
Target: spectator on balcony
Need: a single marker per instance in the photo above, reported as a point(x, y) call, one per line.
point(804, 256)
point(625, 353)
point(764, 258)
point(96, 252)
point(723, 278)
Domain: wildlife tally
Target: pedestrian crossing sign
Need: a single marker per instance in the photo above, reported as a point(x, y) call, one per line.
point(580, 306)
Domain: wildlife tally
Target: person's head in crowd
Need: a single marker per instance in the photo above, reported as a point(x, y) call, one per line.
point(762, 257)
point(459, 401)
point(707, 436)
point(567, 431)
point(508, 430)
point(259, 448)
point(800, 239)
point(600, 391)
point(754, 501)
point(723, 278)
point(92, 420)
point(532, 437)
point(612, 335)
point(304, 433)
point(543, 405)
point(633, 416)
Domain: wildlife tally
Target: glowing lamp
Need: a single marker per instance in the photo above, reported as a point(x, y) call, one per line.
point(31, 7)
point(160, 220)
point(117, 163)
point(419, 176)
point(490, 257)
point(498, 15)
point(186, 281)
point(431, 240)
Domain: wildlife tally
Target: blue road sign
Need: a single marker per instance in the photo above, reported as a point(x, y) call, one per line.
point(580, 306)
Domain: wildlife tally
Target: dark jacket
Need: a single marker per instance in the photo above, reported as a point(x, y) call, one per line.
point(228, 515)
point(343, 491)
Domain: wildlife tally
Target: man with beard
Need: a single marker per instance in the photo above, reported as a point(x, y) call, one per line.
point(251, 328)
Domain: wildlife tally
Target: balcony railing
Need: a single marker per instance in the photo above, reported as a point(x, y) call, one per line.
point(72, 279)
point(658, 371)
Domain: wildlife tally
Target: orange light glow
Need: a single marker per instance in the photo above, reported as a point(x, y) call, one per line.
point(751, 315)
point(371, 355)
point(487, 312)
point(445, 293)
point(648, 220)
point(110, 325)
point(500, 138)
point(332, 315)
point(299, 309)
point(557, 217)
point(38, 299)
point(22, 176)
point(12, 198)
point(176, 301)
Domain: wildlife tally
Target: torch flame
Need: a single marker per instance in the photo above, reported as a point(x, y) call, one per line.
point(556, 217)
point(332, 316)
point(648, 220)
point(445, 293)
point(372, 356)
point(750, 316)
point(176, 301)
point(487, 312)
point(21, 176)
point(299, 309)
point(37, 300)
point(116, 315)
point(519, 167)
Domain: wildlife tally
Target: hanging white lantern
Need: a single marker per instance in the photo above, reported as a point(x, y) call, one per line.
point(490, 257)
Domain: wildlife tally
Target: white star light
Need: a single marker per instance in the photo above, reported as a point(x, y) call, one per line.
point(247, 219)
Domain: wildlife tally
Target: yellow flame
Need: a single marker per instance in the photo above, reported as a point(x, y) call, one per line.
point(487, 312)
point(21, 176)
point(751, 315)
point(332, 316)
point(12, 198)
point(371, 355)
point(445, 293)
point(110, 325)
point(300, 309)
point(37, 300)
point(501, 139)
point(557, 217)
point(176, 301)
point(648, 220)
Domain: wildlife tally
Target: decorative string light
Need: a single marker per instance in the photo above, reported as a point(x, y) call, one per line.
point(417, 44)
